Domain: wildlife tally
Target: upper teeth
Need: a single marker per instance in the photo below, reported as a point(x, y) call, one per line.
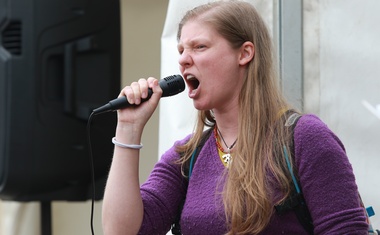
point(189, 77)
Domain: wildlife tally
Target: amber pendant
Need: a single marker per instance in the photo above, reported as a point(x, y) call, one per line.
point(227, 158)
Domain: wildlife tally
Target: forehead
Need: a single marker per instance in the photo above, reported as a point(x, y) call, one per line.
point(197, 30)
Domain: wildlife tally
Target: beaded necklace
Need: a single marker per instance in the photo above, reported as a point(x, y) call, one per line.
point(225, 157)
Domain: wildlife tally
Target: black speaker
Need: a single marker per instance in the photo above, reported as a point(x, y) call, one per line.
point(59, 59)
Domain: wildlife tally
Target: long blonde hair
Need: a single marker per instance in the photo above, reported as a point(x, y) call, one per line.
point(258, 163)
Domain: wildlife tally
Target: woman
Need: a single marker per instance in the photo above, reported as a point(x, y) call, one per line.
point(240, 175)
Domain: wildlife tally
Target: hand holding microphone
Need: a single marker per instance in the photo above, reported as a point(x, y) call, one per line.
point(170, 85)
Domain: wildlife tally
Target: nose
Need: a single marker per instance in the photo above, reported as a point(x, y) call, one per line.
point(185, 59)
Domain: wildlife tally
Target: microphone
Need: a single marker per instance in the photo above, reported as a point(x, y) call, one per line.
point(170, 86)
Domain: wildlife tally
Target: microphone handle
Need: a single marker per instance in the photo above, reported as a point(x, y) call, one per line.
point(119, 103)
point(122, 102)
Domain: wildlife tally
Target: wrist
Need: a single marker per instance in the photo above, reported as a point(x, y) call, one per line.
point(128, 134)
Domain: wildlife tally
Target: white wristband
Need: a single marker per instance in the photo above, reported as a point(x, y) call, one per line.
point(128, 146)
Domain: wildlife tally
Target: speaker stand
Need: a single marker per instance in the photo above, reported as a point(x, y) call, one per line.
point(46, 227)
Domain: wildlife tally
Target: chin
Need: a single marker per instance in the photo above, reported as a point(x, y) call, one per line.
point(200, 107)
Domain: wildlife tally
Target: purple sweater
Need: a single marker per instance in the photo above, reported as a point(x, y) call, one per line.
point(325, 175)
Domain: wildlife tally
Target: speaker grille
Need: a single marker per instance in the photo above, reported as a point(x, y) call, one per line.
point(11, 38)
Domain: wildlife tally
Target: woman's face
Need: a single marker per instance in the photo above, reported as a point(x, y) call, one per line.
point(210, 67)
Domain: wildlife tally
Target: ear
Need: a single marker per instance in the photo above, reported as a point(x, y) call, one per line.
point(247, 53)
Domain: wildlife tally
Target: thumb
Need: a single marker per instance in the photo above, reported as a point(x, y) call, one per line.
point(157, 91)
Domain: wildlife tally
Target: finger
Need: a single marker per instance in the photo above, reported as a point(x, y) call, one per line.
point(144, 85)
point(150, 81)
point(134, 97)
point(128, 93)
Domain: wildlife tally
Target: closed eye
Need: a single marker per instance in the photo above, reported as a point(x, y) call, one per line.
point(200, 47)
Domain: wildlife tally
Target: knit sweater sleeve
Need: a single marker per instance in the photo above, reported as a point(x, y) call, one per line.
point(327, 179)
point(162, 193)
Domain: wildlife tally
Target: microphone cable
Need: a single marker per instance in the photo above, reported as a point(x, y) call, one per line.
point(92, 170)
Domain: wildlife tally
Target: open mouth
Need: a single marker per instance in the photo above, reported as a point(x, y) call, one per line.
point(192, 82)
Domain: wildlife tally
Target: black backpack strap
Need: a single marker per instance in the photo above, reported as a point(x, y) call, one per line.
point(296, 201)
point(188, 168)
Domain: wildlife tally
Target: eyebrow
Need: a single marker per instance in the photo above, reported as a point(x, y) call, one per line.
point(200, 39)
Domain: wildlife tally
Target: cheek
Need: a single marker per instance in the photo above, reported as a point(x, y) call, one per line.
point(225, 66)
point(181, 69)
point(217, 63)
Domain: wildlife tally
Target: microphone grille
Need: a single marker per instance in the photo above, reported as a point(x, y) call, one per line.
point(174, 84)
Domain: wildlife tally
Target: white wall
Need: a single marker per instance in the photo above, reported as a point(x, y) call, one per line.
point(342, 68)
